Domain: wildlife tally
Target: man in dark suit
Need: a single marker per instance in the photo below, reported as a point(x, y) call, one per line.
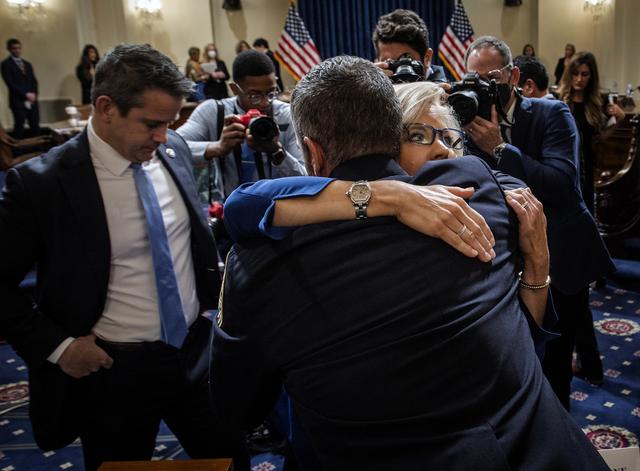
point(126, 265)
point(537, 142)
point(23, 90)
point(398, 352)
point(403, 33)
point(262, 45)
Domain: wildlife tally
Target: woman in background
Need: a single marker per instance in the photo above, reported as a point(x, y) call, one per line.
point(563, 62)
point(580, 89)
point(242, 46)
point(86, 69)
point(193, 71)
point(216, 86)
point(528, 50)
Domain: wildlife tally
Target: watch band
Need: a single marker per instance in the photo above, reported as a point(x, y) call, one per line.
point(360, 194)
point(277, 157)
point(361, 210)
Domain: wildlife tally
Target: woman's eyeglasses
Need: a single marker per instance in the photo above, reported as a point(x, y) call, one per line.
point(425, 135)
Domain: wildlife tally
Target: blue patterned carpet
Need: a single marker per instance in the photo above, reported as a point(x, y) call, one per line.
point(610, 415)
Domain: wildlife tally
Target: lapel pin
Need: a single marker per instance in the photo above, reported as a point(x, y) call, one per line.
point(171, 153)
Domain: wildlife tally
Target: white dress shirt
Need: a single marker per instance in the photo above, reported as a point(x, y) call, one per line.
point(131, 311)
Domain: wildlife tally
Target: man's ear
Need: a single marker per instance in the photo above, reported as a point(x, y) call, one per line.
point(234, 88)
point(528, 88)
point(427, 58)
point(515, 76)
point(105, 109)
point(318, 161)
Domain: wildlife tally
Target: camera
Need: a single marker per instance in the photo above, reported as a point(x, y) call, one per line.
point(262, 127)
point(473, 97)
point(406, 69)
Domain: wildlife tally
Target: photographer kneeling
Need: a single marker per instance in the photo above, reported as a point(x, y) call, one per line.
point(536, 140)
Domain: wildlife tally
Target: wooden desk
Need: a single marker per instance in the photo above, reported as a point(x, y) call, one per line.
point(188, 465)
point(62, 128)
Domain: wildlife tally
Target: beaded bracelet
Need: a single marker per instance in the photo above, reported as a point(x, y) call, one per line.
point(526, 285)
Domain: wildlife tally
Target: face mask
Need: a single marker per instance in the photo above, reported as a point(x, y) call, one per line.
point(211, 54)
point(504, 93)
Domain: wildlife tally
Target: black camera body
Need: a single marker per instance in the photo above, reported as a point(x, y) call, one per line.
point(406, 69)
point(262, 127)
point(472, 96)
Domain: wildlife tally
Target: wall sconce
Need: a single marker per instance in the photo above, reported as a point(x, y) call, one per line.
point(596, 7)
point(149, 10)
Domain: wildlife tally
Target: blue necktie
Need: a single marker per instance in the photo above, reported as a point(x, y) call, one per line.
point(173, 324)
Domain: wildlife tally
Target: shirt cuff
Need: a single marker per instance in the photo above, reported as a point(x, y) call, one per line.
point(57, 353)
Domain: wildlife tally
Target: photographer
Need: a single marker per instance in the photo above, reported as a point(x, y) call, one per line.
point(536, 141)
point(222, 130)
point(402, 33)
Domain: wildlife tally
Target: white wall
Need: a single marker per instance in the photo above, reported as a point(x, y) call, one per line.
point(53, 44)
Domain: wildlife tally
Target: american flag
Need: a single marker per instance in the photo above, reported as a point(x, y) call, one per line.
point(296, 50)
point(457, 38)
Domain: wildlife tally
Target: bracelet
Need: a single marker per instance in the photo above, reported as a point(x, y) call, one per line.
point(525, 285)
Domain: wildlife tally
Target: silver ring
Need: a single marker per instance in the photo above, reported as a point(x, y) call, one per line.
point(525, 205)
point(462, 230)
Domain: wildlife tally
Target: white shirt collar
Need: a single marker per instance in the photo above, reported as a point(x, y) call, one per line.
point(112, 160)
point(510, 112)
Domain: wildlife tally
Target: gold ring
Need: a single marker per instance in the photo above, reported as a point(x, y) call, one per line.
point(462, 230)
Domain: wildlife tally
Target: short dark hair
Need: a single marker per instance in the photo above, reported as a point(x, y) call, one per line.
point(364, 115)
point(487, 42)
point(261, 42)
point(12, 41)
point(252, 63)
point(532, 68)
point(128, 70)
point(402, 26)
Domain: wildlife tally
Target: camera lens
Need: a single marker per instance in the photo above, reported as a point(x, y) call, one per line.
point(465, 104)
point(263, 129)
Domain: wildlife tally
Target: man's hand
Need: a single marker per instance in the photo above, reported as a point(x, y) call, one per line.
point(83, 357)
point(442, 212)
point(486, 134)
point(533, 234)
point(385, 68)
point(31, 97)
point(232, 134)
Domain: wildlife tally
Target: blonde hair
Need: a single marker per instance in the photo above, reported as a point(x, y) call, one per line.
point(418, 98)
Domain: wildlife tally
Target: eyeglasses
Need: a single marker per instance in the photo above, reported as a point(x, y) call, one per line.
point(497, 74)
point(425, 135)
point(256, 98)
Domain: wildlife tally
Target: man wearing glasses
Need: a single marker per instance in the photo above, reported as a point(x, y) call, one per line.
point(538, 143)
point(214, 130)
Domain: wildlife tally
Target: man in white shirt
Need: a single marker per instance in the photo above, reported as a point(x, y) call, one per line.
point(126, 266)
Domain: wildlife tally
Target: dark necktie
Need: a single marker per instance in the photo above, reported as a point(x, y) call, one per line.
point(173, 324)
point(20, 64)
point(505, 131)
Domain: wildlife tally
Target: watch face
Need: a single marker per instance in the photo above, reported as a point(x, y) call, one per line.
point(360, 193)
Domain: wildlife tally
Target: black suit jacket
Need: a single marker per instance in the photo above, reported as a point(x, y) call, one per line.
point(19, 84)
point(52, 216)
point(398, 351)
point(545, 155)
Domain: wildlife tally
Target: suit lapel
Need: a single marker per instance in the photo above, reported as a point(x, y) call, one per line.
point(80, 185)
point(522, 123)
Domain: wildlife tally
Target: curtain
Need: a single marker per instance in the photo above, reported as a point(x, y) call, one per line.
point(345, 26)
